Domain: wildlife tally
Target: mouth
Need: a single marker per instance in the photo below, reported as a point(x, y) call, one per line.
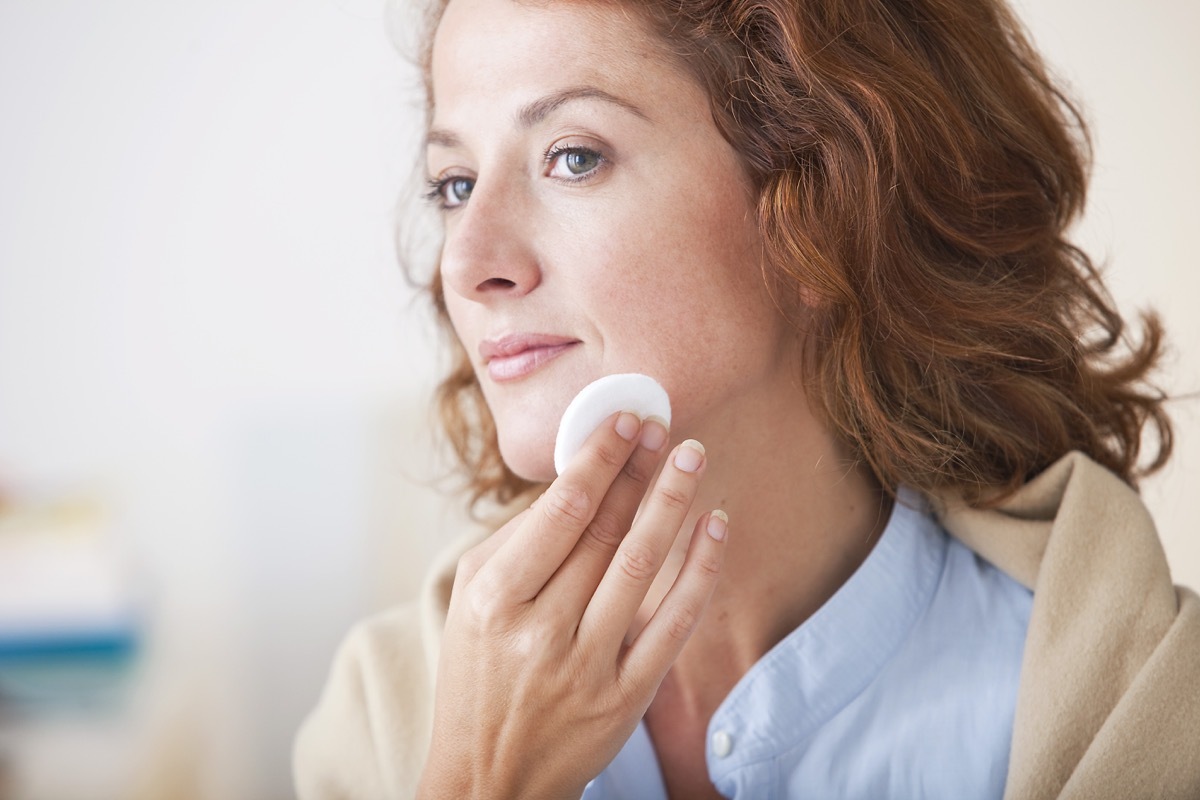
point(517, 355)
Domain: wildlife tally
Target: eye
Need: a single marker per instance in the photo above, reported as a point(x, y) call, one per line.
point(573, 163)
point(450, 192)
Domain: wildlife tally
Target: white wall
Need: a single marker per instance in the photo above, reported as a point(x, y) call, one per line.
point(1137, 71)
point(201, 319)
point(200, 315)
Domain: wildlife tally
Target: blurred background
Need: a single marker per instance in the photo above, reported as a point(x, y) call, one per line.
point(215, 443)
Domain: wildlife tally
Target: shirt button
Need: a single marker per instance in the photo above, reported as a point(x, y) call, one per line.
point(722, 744)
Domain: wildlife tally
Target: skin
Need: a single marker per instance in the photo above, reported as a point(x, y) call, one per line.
point(636, 240)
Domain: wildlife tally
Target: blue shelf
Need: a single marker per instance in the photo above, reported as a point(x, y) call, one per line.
point(90, 645)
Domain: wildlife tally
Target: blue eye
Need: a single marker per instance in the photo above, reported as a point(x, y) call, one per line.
point(450, 192)
point(573, 162)
point(457, 190)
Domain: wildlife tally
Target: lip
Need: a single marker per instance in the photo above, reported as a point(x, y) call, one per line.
point(516, 355)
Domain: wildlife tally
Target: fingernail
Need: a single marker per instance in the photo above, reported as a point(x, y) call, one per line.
point(689, 455)
point(654, 434)
point(628, 426)
point(718, 521)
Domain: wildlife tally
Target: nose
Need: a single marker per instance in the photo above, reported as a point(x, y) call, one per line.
point(488, 255)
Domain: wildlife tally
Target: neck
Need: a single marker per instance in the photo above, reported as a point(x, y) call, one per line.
point(803, 517)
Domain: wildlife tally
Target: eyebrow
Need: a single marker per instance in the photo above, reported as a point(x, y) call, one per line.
point(539, 109)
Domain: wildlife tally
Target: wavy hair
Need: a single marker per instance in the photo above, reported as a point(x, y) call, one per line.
point(916, 170)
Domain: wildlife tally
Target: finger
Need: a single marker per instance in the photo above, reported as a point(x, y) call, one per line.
point(471, 561)
point(573, 585)
point(647, 660)
point(643, 550)
point(522, 565)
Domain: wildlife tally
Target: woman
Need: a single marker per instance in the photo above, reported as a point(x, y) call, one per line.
point(834, 233)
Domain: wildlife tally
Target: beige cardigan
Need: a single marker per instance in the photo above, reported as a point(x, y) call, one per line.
point(1109, 699)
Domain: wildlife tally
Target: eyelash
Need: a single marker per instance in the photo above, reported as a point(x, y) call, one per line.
point(437, 186)
point(560, 150)
point(437, 191)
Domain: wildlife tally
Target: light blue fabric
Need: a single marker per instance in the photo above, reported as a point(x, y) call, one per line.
point(902, 685)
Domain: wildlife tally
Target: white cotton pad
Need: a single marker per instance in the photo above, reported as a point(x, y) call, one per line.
point(600, 399)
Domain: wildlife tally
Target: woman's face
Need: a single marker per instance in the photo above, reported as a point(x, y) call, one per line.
point(595, 221)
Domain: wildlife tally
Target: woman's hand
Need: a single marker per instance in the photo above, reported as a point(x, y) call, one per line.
point(537, 689)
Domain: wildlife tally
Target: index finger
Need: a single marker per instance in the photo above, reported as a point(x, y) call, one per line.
point(525, 563)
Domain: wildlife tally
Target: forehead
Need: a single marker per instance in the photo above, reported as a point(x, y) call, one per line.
point(486, 52)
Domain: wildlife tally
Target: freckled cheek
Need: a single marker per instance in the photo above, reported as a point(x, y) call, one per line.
point(661, 255)
point(685, 253)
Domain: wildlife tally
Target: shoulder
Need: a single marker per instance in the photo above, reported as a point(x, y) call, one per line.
point(1112, 650)
point(979, 595)
point(368, 734)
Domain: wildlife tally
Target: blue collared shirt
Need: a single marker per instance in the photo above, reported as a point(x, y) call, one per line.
point(902, 685)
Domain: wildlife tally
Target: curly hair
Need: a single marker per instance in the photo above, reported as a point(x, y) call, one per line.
point(916, 170)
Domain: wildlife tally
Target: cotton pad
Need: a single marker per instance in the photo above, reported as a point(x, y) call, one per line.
point(600, 399)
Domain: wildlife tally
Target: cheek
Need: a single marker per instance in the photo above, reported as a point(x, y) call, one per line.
point(683, 300)
point(456, 311)
point(695, 268)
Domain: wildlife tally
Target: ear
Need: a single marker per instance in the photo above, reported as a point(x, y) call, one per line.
point(795, 298)
point(809, 297)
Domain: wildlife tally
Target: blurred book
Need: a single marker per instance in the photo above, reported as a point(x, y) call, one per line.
point(68, 606)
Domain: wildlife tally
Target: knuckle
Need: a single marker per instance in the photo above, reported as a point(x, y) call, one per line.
point(638, 470)
point(534, 642)
point(470, 562)
point(610, 456)
point(674, 499)
point(628, 697)
point(484, 604)
point(708, 567)
point(567, 506)
point(680, 624)
point(637, 561)
point(606, 531)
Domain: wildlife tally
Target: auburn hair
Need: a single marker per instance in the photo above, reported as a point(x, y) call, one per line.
point(916, 170)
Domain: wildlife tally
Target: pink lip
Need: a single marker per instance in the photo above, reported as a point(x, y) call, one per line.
point(519, 354)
